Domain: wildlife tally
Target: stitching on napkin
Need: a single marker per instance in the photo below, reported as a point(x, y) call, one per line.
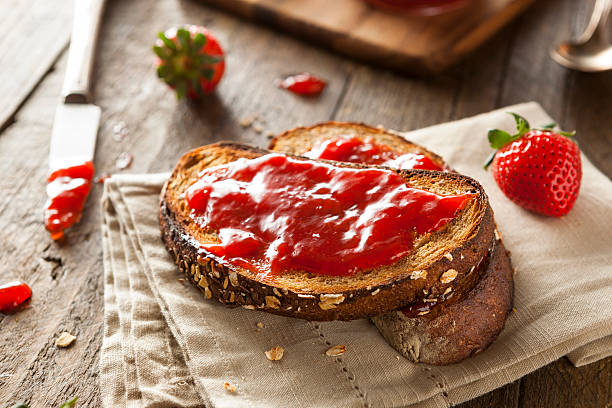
point(348, 374)
point(439, 384)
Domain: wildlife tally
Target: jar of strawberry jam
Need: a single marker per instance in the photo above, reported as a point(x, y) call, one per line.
point(418, 7)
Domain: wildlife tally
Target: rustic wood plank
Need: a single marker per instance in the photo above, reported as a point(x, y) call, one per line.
point(402, 42)
point(26, 51)
point(67, 280)
point(560, 384)
point(587, 108)
point(503, 397)
point(396, 102)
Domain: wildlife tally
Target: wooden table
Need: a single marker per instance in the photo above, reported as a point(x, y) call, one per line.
point(67, 280)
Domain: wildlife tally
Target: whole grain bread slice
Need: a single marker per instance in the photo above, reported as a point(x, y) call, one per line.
point(463, 328)
point(300, 140)
point(439, 261)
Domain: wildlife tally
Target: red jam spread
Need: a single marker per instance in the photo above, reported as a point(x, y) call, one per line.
point(276, 213)
point(67, 190)
point(13, 295)
point(303, 84)
point(355, 150)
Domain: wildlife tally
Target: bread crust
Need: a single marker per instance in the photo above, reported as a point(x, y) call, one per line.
point(286, 141)
point(462, 329)
point(232, 286)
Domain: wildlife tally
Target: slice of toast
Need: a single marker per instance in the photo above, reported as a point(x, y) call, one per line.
point(463, 328)
point(456, 247)
point(300, 140)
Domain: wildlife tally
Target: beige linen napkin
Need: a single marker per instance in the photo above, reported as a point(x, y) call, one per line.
point(165, 345)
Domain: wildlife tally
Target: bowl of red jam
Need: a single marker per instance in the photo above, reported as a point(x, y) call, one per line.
point(418, 7)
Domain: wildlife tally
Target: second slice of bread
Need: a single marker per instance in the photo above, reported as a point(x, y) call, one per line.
point(300, 140)
point(462, 328)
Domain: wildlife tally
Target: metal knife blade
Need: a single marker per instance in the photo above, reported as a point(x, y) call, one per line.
point(73, 139)
point(76, 119)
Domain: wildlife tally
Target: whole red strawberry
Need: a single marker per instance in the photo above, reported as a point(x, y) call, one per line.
point(190, 60)
point(538, 169)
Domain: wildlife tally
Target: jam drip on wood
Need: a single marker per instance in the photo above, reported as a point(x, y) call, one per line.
point(13, 295)
point(67, 190)
point(303, 84)
point(355, 150)
point(276, 213)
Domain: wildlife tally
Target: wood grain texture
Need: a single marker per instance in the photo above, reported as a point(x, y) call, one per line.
point(67, 279)
point(404, 43)
point(27, 52)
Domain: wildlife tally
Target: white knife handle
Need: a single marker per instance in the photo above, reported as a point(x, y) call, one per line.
point(85, 27)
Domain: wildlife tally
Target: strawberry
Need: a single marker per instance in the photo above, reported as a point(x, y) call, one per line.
point(538, 169)
point(190, 60)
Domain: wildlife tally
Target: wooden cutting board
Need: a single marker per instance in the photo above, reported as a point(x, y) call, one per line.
point(405, 43)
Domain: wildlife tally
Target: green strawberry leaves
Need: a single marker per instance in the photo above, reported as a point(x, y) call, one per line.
point(500, 138)
point(199, 41)
point(183, 63)
point(522, 126)
point(167, 42)
point(489, 160)
point(567, 134)
point(160, 52)
point(181, 89)
point(551, 127)
point(184, 39)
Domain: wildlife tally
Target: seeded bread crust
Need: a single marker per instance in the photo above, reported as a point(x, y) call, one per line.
point(319, 297)
point(462, 329)
point(302, 139)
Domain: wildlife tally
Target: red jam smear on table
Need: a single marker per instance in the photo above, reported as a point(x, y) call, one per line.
point(67, 190)
point(13, 295)
point(276, 213)
point(303, 84)
point(355, 150)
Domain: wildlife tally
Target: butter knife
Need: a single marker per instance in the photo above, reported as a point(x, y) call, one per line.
point(73, 138)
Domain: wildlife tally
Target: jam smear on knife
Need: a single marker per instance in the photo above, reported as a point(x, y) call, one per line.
point(67, 189)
